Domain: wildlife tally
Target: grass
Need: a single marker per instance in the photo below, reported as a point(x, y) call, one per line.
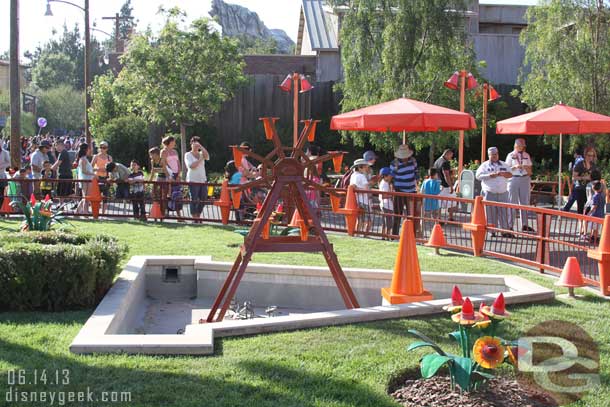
point(334, 366)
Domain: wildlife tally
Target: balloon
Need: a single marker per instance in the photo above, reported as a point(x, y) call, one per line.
point(42, 122)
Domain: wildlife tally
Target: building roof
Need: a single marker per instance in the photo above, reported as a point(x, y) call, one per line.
point(7, 63)
point(321, 34)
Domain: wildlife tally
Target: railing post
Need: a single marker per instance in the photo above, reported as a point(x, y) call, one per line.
point(542, 249)
point(477, 226)
point(602, 255)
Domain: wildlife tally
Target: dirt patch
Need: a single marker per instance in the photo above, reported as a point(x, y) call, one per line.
point(412, 391)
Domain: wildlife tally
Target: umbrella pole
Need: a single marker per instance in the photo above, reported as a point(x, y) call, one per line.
point(559, 185)
point(404, 137)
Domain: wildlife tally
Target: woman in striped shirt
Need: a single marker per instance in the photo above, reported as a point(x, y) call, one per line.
point(405, 180)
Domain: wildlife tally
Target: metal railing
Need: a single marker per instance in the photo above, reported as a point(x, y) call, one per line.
point(556, 235)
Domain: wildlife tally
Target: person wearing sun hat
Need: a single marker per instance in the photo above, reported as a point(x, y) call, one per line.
point(405, 180)
point(494, 175)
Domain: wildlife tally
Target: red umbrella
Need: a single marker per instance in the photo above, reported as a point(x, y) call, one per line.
point(559, 119)
point(403, 115)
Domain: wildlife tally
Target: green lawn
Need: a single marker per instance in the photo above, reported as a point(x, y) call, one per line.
point(335, 366)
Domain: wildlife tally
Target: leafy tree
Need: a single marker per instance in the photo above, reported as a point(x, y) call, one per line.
point(392, 48)
point(180, 76)
point(52, 70)
point(62, 106)
point(72, 45)
point(567, 57)
point(105, 105)
point(28, 127)
point(250, 45)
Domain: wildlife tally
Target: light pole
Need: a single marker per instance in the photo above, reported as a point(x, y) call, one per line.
point(466, 81)
point(15, 87)
point(489, 95)
point(87, 57)
point(292, 82)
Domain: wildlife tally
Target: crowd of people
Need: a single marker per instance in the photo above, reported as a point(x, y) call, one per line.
point(56, 161)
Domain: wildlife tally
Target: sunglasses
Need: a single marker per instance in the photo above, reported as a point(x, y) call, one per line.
point(103, 147)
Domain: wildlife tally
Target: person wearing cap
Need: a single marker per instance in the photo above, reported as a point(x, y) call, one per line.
point(386, 201)
point(519, 185)
point(494, 175)
point(405, 180)
point(360, 180)
point(38, 158)
point(443, 169)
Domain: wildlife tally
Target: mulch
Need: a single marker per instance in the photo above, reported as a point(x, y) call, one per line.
point(499, 392)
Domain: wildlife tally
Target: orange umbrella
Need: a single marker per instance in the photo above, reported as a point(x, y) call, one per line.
point(559, 119)
point(403, 115)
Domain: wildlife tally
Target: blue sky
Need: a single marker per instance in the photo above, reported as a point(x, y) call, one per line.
point(36, 28)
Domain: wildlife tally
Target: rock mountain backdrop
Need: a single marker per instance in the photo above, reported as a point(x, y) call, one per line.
point(239, 21)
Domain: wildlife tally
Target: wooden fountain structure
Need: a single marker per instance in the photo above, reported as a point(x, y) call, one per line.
point(283, 174)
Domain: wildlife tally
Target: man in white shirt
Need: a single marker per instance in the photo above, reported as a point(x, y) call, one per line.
point(494, 175)
point(196, 175)
point(359, 179)
point(520, 164)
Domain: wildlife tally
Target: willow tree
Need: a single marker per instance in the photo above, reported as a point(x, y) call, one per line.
point(391, 48)
point(181, 76)
point(567, 57)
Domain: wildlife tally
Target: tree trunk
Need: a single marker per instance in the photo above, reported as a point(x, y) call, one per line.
point(15, 87)
point(431, 153)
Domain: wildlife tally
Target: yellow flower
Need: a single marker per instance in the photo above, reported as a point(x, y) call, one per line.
point(483, 324)
point(488, 352)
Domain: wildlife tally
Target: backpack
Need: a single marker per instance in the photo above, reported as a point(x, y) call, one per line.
point(343, 182)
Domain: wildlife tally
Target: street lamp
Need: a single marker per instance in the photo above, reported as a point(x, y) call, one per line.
point(466, 81)
point(87, 57)
point(292, 82)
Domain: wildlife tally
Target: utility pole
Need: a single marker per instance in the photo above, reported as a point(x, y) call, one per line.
point(15, 88)
point(87, 73)
point(118, 43)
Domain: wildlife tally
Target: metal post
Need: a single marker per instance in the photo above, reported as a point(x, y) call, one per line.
point(463, 74)
point(87, 73)
point(559, 181)
point(295, 105)
point(484, 126)
point(15, 87)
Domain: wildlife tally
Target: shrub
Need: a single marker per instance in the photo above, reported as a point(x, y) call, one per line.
point(127, 137)
point(55, 271)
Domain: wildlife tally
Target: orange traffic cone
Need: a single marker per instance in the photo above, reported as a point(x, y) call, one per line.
point(407, 285)
point(94, 197)
point(437, 238)
point(602, 255)
point(477, 226)
point(6, 207)
point(298, 222)
point(571, 276)
point(350, 210)
point(155, 211)
point(224, 202)
point(236, 198)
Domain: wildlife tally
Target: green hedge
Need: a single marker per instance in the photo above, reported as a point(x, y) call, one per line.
point(55, 271)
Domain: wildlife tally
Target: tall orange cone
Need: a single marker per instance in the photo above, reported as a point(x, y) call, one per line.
point(155, 211)
point(94, 197)
point(224, 202)
point(437, 238)
point(298, 222)
point(571, 276)
point(407, 285)
point(477, 226)
point(602, 255)
point(6, 206)
point(350, 210)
